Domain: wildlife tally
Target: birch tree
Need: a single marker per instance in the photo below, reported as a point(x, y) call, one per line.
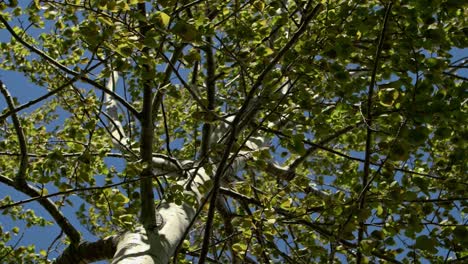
point(263, 131)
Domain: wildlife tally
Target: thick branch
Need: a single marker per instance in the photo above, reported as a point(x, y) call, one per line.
point(160, 244)
point(148, 213)
point(88, 252)
point(116, 129)
point(20, 177)
point(210, 92)
point(51, 208)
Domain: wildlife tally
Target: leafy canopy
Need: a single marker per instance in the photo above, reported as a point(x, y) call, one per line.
point(357, 127)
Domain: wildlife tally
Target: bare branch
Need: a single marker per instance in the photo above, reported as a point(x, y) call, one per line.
point(166, 130)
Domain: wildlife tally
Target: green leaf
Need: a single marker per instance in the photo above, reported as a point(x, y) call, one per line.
point(298, 86)
point(380, 210)
point(388, 96)
point(461, 234)
point(425, 243)
point(298, 144)
point(399, 151)
point(120, 198)
point(186, 31)
point(239, 247)
point(162, 19)
point(418, 135)
point(259, 5)
point(286, 204)
point(12, 3)
point(124, 50)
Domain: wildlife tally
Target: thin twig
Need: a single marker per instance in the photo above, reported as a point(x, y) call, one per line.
point(369, 125)
point(166, 130)
point(234, 129)
point(40, 196)
point(456, 76)
point(81, 76)
point(47, 95)
point(166, 80)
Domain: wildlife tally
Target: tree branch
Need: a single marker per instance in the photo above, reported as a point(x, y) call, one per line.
point(194, 95)
point(234, 129)
point(47, 95)
point(167, 75)
point(148, 212)
point(50, 207)
point(300, 220)
point(116, 129)
point(20, 176)
point(166, 130)
point(210, 94)
point(456, 76)
point(81, 76)
point(313, 148)
point(319, 146)
point(164, 164)
point(258, 82)
point(368, 120)
point(87, 252)
point(288, 172)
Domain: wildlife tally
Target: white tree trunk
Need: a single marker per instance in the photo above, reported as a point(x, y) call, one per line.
point(157, 246)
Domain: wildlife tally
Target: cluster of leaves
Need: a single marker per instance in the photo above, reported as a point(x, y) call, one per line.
point(311, 108)
point(10, 241)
